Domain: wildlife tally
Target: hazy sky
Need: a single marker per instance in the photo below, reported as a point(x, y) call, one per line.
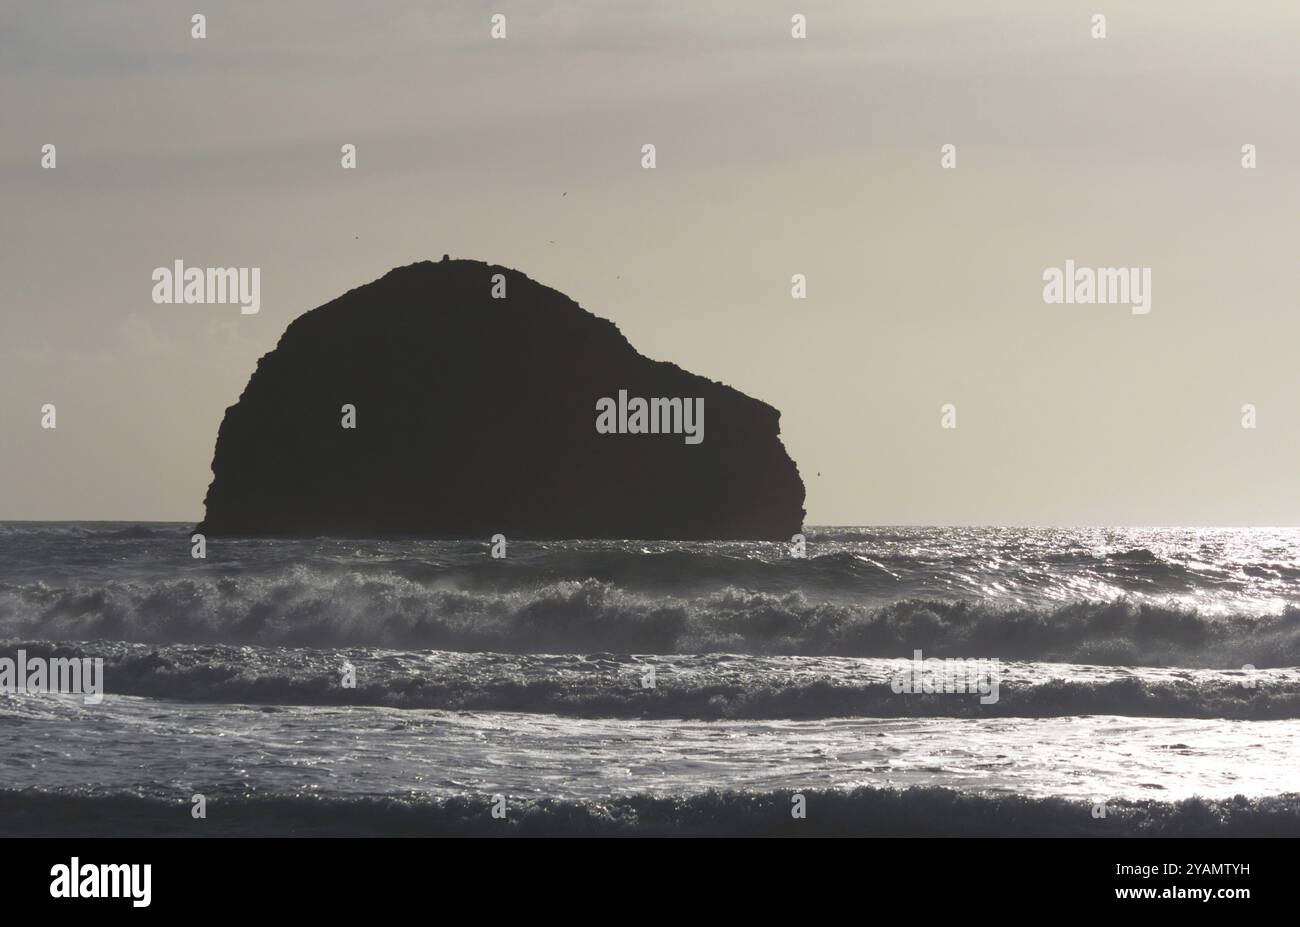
point(775, 156)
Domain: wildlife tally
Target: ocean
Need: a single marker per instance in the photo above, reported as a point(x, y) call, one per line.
point(1148, 682)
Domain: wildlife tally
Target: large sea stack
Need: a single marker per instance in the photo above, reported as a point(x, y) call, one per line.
point(477, 415)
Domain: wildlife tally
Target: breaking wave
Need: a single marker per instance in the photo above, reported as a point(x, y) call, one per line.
point(304, 607)
point(698, 686)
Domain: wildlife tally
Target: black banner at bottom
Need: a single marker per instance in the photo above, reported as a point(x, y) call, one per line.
point(337, 876)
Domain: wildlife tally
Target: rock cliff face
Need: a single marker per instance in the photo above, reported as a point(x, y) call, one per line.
point(477, 415)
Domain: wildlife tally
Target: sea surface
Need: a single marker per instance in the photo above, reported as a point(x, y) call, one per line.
point(1148, 682)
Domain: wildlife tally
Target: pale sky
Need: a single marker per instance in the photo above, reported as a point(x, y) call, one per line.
point(776, 156)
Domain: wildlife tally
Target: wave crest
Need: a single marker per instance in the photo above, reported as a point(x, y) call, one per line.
point(303, 607)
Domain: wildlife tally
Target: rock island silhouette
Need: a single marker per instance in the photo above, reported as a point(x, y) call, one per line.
point(472, 414)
